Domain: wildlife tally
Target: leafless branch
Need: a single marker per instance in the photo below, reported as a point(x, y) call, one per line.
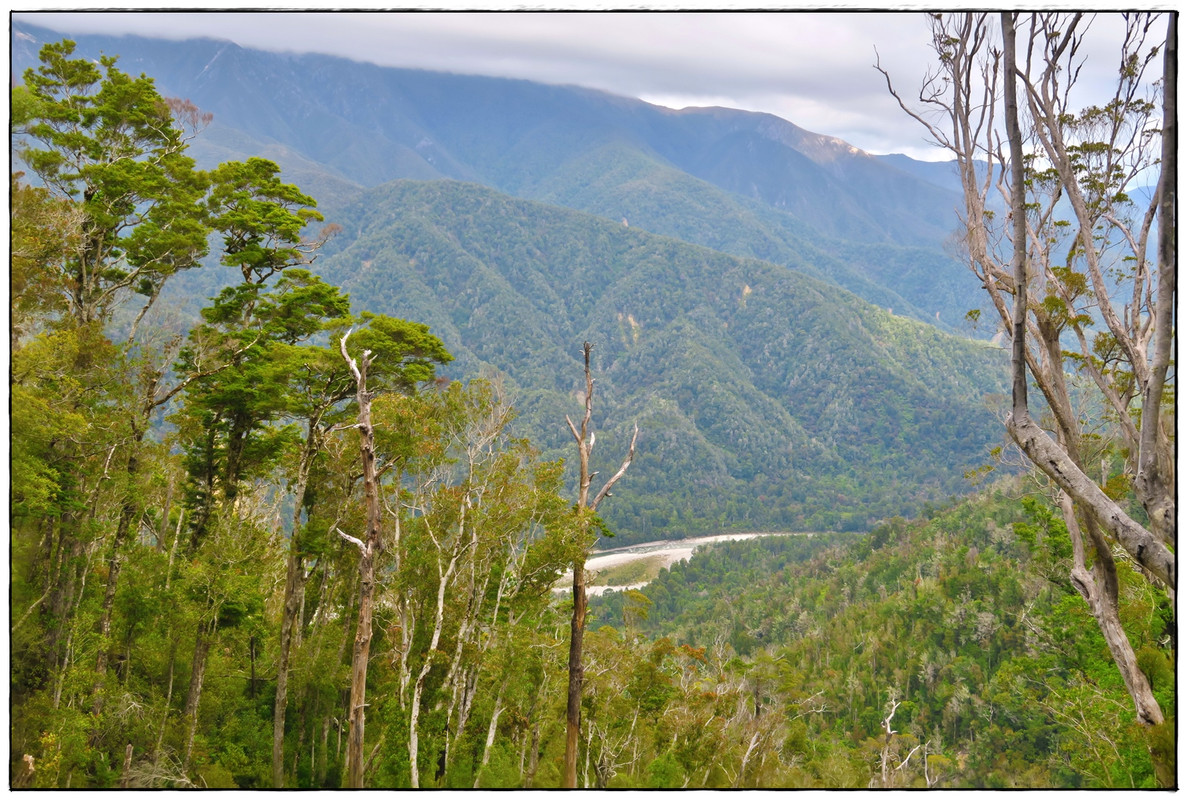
point(356, 542)
point(605, 492)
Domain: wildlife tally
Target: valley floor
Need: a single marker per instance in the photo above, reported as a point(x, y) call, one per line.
point(608, 565)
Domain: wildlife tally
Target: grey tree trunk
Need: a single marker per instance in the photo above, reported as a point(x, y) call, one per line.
point(294, 595)
point(293, 588)
point(194, 696)
point(1099, 590)
point(369, 550)
point(585, 442)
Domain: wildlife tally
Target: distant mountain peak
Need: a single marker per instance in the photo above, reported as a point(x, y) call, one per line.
point(821, 148)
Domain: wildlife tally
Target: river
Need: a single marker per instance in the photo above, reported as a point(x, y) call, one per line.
point(662, 553)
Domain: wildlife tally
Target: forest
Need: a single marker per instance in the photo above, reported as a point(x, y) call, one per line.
point(725, 362)
point(270, 544)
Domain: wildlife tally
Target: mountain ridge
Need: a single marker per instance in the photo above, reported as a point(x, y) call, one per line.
point(364, 125)
point(770, 395)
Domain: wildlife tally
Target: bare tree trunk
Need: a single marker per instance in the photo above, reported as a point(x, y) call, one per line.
point(293, 588)
point(168, 698)
point(1155, 479)
point(443, 576)
point(125, 776)
point(1099, 590)
point(1018, 215)
point(1058, 464)
point(585, 442)
point(890, 732)
point(320, 772)
point(73, 568)
point(529, 775)
point(490, 736)
point(128, 512)
point(585, 765)
point(576, 674)
point(369, 550)
point(740, 780)
point(194, 696)
point(72, 604)
point(360, 654)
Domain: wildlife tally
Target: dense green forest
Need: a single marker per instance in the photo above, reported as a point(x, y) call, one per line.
point(237, 537)
point(765, 398)
point(782, 657)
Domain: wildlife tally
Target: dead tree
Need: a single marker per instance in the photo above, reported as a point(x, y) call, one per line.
point(369, 550)
point(585, 441)
point(1050, 292)
point(1061, 465)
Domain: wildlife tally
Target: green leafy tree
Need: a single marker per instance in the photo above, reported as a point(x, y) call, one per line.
point(319, 386)
point(261, 219)
point(123, 208)
point(110, 143)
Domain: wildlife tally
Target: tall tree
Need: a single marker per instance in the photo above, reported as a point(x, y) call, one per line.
point(118, 213)
point(110, 143)
point(123, 209)
point(261, 220)
point(1074, 256)
point(585, 508)
point(318, 386)
point(229, 425)
point(408, 351)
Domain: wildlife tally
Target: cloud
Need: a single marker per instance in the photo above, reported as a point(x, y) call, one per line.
point(813, 69)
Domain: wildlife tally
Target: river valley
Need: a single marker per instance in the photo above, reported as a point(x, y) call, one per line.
point(635, 566)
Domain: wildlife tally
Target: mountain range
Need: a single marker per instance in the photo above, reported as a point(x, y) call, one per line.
point(757, 293)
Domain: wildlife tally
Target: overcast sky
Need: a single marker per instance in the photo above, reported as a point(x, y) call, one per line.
point(813, 69)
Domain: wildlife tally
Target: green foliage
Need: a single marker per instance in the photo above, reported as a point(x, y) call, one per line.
point(722, 361)
point(1000, 668)
point(43, 233)
point(145, 658)
point(108, 142)
point(260, 218)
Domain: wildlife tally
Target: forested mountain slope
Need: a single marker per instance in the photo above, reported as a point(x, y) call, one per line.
point(764, 397)
point(745, 183)
point(960, 629)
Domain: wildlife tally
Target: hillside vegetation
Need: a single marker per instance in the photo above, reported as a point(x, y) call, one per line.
point(780, 659)
point(765, 398)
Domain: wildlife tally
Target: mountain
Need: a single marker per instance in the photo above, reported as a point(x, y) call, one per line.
point(940, 173)
point(717, 259)
point(745, 183)
point(764, 397)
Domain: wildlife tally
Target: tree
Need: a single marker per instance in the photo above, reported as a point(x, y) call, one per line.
point(44, 232)
point(109, 143)
point(585, 508)
point(482, 533)
point(1073, 257)
point(120, 208)
point(408, 351)
point(123, 209)
point(261, 220)
point(118, 212)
